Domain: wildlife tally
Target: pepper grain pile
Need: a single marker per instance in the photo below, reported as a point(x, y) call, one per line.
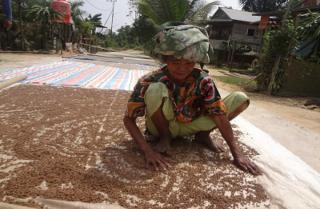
point(70, 144)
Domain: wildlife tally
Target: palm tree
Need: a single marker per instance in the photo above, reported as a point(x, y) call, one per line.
point(77, 13)
point(262, 5)
point(161, 11)
point(96, 21)
point(43, 14)
point(200, 14)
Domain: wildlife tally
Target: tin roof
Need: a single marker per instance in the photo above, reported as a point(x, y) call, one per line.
point(238, 15)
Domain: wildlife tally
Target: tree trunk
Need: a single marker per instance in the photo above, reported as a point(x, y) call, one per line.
point(274, 73)
point(23, 47)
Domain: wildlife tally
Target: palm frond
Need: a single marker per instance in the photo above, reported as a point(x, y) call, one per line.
point(161, 11)
point(149, 9)
point(309, 35)
point(201, 15)
point(43, 13)
point(180, 8)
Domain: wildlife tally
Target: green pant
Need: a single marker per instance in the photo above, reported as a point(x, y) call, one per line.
point(158, 92)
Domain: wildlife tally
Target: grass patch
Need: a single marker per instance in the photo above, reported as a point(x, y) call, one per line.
point(248, 71)
point(245, 83)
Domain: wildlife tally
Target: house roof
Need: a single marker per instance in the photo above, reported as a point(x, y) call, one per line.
point(239, 15)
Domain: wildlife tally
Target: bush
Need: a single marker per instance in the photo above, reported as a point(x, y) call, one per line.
point(278, 43)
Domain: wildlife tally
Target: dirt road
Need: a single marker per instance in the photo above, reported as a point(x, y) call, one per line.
point(21, 60)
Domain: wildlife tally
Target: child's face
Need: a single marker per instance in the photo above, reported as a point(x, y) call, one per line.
point(180, 69)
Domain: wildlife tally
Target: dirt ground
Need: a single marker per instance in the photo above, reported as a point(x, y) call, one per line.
point(297, 112)
point(70, 144)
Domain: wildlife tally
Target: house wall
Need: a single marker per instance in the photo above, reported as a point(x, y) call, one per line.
point(240, 34)
point(218, 44)
point(237, 32)
point(220, 31)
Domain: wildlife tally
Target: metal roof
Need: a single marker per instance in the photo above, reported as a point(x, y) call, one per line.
point(239, 15)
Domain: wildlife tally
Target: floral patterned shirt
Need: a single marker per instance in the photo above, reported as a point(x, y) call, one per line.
point(197, 96)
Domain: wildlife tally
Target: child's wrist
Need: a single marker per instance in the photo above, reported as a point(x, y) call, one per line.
point(145, 149)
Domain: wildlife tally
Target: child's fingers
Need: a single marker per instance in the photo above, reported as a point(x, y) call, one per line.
point(154, 165)
point(165, 163)
point(169, 159)
point(254, 169)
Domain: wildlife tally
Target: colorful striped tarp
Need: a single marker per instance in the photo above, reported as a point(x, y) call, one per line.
point(78, 74)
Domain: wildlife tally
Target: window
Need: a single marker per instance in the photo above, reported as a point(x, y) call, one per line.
point(250, 32)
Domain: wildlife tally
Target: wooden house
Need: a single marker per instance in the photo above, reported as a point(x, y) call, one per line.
point(230, 25)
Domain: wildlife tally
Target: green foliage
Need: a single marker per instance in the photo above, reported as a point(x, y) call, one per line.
point(76, 12)
point(126, 37)
point(86, 28)
point(95, 22)
point(42, 13)
point(162, 11)
point(263, 5)
point(278, 43)
point(110, 42)
point(200, 14)
point(34, 27)
point(144, 29)
point(309, 37)
point(278, 46)
point(136, 36)
point(245, 83)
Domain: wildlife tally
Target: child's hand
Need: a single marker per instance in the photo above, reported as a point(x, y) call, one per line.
point(156, 160)
point(245, 164)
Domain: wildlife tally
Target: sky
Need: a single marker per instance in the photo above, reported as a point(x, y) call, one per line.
point(121, 17)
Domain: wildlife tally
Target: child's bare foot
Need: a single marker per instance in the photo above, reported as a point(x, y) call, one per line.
point(163, 146)
point(211, 144)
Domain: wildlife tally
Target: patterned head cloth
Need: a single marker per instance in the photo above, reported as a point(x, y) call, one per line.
point(184, 41)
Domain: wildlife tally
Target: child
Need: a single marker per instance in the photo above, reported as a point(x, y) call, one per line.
point(181, 100)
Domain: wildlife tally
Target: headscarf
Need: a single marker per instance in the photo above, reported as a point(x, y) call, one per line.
point(184, 41)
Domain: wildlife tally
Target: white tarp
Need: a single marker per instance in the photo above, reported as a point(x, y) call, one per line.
point(290, 182)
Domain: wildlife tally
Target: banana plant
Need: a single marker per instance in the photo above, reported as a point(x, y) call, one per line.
point(309, 37)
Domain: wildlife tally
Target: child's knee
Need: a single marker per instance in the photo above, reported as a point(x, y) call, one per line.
point(240, 95)
point(154, 97)
point(155, 93)
point(236, 99)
